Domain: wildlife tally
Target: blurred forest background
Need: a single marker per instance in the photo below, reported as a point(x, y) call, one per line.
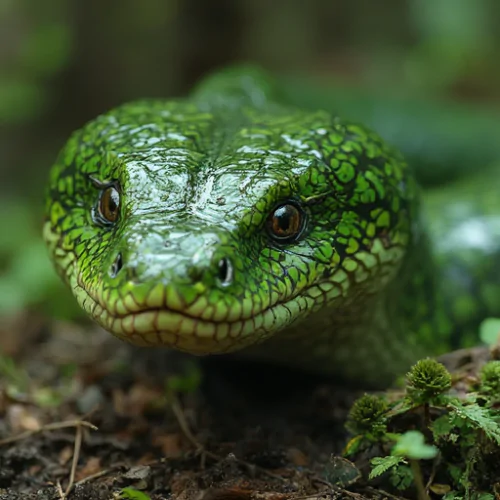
point(64, 61)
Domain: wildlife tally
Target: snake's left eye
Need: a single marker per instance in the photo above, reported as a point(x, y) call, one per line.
point(285, 223)
point(109, 204)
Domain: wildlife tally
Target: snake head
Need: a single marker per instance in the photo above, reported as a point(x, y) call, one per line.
point(208, 229)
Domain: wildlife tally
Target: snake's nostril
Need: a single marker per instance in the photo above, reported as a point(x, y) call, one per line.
point(225, 271)
point(195, 273)
point(116, 266)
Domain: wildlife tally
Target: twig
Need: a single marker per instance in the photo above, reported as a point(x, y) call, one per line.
point(319, 494)
point(383, 492)
point(97, 475)
point(350, 494)
point(433, 474)
point(48, 427)
point(79, 425)
point(72, 485)
point(181, 419)
point(60, 491)
point(76, 456)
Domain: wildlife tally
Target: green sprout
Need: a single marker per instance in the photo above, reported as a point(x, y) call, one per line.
point(489, 331)
point(186, 383)
point(490, 379)
point(133, 494)
point(367, 416)
point(426, 380)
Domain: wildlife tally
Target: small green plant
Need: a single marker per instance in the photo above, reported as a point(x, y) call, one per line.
point(18, 384)
point(16, 379)
point(490, 379)
point(409, 448)
point(411, 445)
point(188, 382)
point(462, 431)
point(367, 421)
point(132, 494)
point(489, 331)
point(367, 416)
point(426, 380)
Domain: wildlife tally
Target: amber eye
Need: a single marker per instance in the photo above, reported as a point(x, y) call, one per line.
point(109, 204)
point(285, 223)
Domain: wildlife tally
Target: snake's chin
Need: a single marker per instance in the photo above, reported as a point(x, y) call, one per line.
point(162, 327)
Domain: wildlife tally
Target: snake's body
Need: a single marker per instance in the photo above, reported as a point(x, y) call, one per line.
point(229, 221)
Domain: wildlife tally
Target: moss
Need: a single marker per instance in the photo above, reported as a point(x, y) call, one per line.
point(367, 415)
point(462, 429)
point(426, 380)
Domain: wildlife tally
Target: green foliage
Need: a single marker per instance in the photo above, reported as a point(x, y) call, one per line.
point(426, 380)
point(17, 383)
point(367, 416)
point(489, 331)
point(186, 383)
point(42, 49)
point(28, 279)
point(442, 428)
point(412, 445)
point(409, 446)
point(401, 477)
point(383, 464)
point(473, 416)
point(490, 379)
point(453, 33)
point(453, 495)
point(464, 433)
point(16, 379)
point(133, 494)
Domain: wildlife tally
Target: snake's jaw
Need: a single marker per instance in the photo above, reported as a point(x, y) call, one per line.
point(180, 288)
point(199, 306)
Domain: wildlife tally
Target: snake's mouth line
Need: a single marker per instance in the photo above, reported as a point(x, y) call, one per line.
point(172, 328)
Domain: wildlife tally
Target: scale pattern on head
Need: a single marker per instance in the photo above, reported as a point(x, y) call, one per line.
point(222, 226)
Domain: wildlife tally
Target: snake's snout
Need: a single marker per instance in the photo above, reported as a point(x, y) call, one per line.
point(182, 294)
point(116, 266)
point(175, 259)
point(220, 267)
point(225, 271)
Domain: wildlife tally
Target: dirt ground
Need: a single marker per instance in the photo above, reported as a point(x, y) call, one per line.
point(83, 416)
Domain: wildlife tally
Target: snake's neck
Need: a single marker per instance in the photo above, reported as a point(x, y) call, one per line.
point(374, 337)
point(365, 341)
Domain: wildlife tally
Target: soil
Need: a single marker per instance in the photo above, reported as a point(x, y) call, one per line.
point(245, 431)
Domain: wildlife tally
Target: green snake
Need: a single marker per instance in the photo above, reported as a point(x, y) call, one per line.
point(239, 219)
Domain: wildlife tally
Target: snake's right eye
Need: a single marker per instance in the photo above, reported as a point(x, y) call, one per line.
point(109, 204)
point(285, 223)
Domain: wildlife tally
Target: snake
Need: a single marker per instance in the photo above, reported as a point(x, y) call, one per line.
point(238, 220)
